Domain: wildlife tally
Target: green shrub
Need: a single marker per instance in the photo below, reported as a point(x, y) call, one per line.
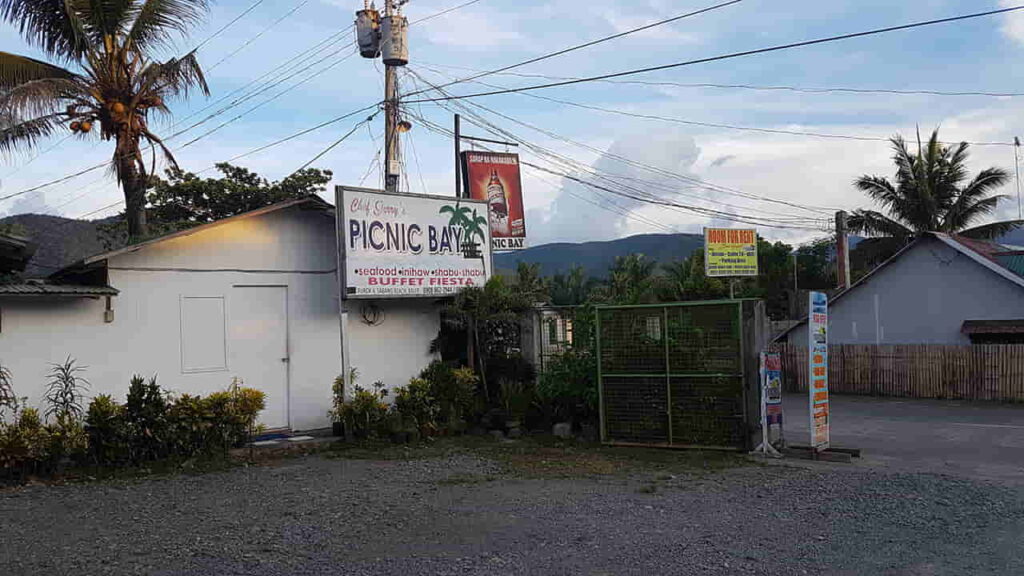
point(146, 414)
point(24, 446)
point(453, 389)
point(68, 438)
point(568, 386)
point(216, 423)
point(188, 426)
point(107, 428)
point(338, 393)
point(417, 407)
point(366, 413)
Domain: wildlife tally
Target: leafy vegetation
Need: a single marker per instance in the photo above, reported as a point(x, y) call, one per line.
point(112, 80)
point(930, 192)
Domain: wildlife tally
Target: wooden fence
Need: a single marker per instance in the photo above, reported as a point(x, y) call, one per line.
point(979, 372)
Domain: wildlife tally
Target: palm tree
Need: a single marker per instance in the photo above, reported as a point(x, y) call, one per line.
point(631, 280)
point(106, 72)
point(931, 192)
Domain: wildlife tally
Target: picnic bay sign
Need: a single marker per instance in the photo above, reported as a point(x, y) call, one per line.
point(409, 246)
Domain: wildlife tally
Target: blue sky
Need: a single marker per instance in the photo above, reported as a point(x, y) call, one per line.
point(976, 55)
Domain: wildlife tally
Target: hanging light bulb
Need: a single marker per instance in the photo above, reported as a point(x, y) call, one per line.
point(404, 126)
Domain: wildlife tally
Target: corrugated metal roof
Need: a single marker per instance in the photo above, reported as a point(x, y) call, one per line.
point(1013, 262)
point(993, 327)
point(44, 289)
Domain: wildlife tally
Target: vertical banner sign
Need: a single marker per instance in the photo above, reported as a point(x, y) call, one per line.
point(494, 178)
point(404, 245)
point(817, 330)
point(729, 252)
point(773, 387)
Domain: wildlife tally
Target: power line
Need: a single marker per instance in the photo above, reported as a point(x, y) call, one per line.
point(591, 43)
point(693, 182)
point(337, 142)
point(443, 12)
point(257, 36)
point(639, 196)
point(768, 88)
point(724, 56)
point(228, 25)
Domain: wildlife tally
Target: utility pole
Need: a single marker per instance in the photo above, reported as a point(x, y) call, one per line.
point(842, 252)
point(1016, 168)
point(458, 157)
point(392, 148)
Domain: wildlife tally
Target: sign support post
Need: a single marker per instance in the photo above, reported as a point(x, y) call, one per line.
point(771, 402)
point(817, 389)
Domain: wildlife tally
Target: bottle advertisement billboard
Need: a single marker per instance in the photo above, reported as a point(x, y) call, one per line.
point(493, 177)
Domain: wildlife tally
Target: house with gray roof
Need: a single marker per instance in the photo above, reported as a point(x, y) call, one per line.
point(939, 289)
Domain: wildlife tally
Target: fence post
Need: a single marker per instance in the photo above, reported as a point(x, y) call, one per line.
point(668, 378)
point(600, 380)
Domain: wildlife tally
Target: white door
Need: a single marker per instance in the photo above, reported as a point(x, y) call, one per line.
point(258, 346)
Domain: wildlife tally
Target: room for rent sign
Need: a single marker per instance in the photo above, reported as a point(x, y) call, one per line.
point(730, 252)
point(403, 245)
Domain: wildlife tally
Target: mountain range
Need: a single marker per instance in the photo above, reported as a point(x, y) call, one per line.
point(597, 257)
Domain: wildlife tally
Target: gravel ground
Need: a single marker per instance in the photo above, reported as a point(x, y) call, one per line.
point(462, 514)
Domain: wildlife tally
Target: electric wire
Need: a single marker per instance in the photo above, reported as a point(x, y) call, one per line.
point(228, 25)
point(769, 88)
point(639, 196)
point(729, 56)
point(693, 182)
point(612, 179)
point(594, 42)
point(258, 35)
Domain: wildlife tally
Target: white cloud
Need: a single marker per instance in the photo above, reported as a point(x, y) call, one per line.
point(1013, 22)
point(467, 29)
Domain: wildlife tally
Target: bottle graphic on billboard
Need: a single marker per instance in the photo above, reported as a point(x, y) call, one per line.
point(497, 203)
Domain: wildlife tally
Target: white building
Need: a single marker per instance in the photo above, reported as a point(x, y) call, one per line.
point(254, 296)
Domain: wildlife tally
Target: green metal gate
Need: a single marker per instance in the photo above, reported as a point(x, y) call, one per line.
point(672, 374)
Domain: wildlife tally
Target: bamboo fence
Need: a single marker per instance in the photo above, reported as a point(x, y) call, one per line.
point(976, 372)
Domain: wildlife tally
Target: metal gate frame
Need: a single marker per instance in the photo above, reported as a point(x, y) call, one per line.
point(668, 375)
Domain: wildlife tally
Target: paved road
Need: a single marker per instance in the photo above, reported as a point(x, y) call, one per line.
point(976, 440)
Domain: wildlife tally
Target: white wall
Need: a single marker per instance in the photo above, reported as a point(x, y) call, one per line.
point(291, 247)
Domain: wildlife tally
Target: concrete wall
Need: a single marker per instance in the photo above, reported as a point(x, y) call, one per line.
point(291, 248)
point(922, 298)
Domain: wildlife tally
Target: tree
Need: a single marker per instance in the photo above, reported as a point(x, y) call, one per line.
point(631, 280)
point(931, 192)
point(572, 289)
point(108, 74)
point(490, 315)
point(529, 282)
point(185, 200)
point(686, 280)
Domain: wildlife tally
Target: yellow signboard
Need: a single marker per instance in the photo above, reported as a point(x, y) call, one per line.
point(730, 252)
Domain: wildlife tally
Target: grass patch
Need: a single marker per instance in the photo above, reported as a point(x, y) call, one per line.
point(548, 457)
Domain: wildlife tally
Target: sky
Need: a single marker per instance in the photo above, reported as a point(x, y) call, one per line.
point(739, 165)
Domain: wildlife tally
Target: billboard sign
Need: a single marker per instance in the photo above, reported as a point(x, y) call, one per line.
point(730, 252)
point(494, 178)
point(407, 246)
point(817, 342)
point(773, 387)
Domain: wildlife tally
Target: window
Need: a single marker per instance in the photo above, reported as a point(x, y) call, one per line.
point(203, 347)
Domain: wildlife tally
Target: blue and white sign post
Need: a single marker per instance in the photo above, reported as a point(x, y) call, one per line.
point(817, 389)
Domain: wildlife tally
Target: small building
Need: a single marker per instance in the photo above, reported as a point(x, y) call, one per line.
point(253, 296)
point(939, 289)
